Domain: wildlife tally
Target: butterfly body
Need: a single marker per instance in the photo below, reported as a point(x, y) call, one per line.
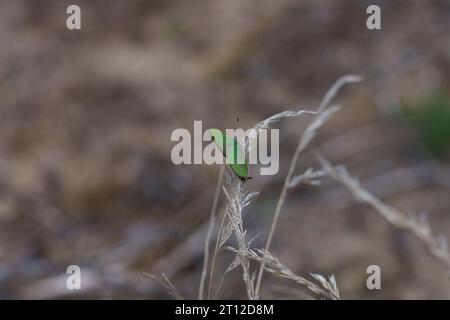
point(233, 151)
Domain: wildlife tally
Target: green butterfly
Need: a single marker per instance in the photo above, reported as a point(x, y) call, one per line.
point(236, 152)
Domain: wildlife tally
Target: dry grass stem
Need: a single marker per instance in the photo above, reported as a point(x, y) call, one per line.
point(323, 114)
point(167, 284)
point(325, 288)
point(437, 246)
point(237, 200)
point(212, 222)
point(309, 177)
point(272, 119)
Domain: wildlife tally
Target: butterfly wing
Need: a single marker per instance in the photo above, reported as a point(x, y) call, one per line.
point(237, 159)
point(219, 138)
point(233, 151)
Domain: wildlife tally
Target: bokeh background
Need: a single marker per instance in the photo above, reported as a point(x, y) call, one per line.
point(86, 117)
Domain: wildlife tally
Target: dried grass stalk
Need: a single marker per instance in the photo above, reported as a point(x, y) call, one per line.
point(309, 177)
point(436, 246)
point(167, 284)
point(212, 220)
point(323, 115)
point(237, 200)
point(253, 134)
point(325, 288)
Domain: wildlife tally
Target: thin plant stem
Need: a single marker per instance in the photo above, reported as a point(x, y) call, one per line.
point(212, 221)
point(216, 252)
point(322, 115)
point(280, 202)
point(418, 226)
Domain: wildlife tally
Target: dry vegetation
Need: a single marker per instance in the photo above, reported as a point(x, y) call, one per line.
point(233, 222)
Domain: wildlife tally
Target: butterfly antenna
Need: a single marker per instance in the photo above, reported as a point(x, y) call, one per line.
point(237, 121)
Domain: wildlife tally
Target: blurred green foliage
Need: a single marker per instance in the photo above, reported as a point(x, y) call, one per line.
point(431, 119)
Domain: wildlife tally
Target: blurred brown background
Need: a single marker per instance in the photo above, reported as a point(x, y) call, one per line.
point(86, 117)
